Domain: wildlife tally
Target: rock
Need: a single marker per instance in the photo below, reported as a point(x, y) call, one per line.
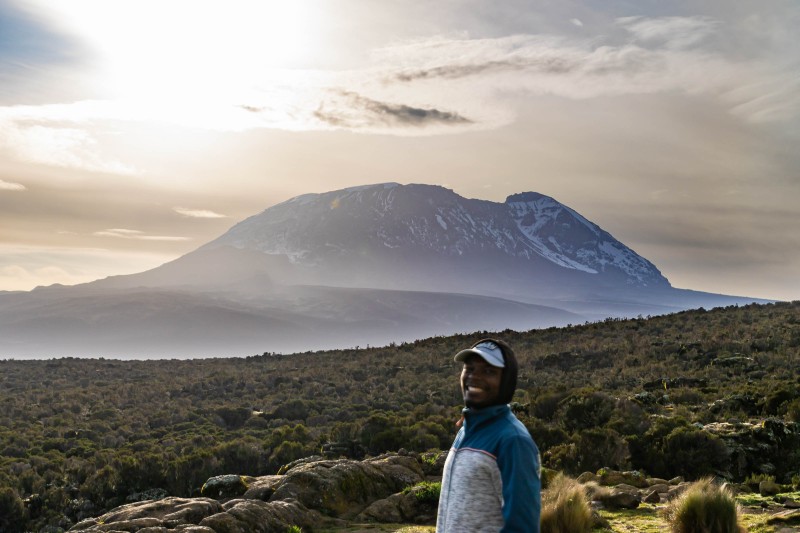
point(630, 489)
point(652, 497)
point(791, 504)
point(676, 480)
point(256, 516)
point(168, 512)
point(227, 486)
point(587, 477)
point(613, 477)
point(402, 507)
point(598, 522)
point(617, 499)
point(768, 488)
point(311, 493)
point(677, 490)
point(656, 481)
point(792, 516)
point(302, 461)
point(659, 487)
point(344, 487)
point(262, 488)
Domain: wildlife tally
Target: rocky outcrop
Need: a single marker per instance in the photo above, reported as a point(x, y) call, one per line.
point(344, 487)
point(310, 493)
point(410, 506)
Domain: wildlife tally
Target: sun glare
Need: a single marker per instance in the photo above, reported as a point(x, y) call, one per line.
point(179, 47)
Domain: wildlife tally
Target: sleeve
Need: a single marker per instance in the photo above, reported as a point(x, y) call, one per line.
point(520, 470)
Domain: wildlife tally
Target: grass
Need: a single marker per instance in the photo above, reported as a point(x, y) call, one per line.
point(565, 508)
point(644, 519)
point(647, 518)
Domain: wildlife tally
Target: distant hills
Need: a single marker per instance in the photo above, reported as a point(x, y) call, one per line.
point(364, 265)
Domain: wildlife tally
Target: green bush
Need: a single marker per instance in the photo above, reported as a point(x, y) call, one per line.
point(705, 507)
point(565, 507)
point(753, 480)
point(586, 410)
point(425, 491)
point(695, 452)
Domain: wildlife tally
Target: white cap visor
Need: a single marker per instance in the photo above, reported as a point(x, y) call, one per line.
point(488, 351)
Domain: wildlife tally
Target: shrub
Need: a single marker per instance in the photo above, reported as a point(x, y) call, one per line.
point(754, 480)
point(694, 452)
point(425, 491)
point(586, 410)
point(706, 507)
point(565, 507)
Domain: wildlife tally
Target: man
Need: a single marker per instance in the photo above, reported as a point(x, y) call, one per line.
point(492, 476)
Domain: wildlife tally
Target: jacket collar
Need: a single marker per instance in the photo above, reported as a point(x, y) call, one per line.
point(475, 417)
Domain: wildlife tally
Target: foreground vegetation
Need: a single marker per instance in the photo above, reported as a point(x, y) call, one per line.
point(79, 436)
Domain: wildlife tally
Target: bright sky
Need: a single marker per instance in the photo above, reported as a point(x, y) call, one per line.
point(132, 132)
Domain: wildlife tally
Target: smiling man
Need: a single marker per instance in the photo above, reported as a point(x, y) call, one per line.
point(492, 476)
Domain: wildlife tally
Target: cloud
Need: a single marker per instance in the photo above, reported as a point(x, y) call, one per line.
point(577, 22)
point(197, 213)
point(11, 186)
point(672, 32)
point(121, 233)
point(351, 110)
point(58, 135)
point(566, 68)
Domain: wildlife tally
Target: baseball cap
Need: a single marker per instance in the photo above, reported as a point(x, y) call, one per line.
point(489, 351)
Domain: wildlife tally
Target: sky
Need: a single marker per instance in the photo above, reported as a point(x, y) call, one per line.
point(133, 132)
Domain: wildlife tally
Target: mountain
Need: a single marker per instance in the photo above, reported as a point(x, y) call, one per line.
point(364, 265)
point(416, 237)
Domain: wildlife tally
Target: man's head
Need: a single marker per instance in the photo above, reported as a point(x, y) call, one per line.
point(489, 376)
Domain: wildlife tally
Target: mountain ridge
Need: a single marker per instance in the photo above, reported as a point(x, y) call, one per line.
point(364, 265)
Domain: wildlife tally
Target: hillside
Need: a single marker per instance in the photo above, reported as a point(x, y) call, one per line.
point(692, 393)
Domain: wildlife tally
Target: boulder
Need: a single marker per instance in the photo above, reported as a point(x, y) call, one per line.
point(791, 504)
point(652, 496)
point(169, 512)
point(661, 488)
point(309, 494)
point(610, 477)
point(262, 488)
point(677, 490)
point(227, 486)
point(768, 488)
point(617, 499)
point(256, 516)
point(345, 487)
point(407, 506)
point(785, 518)
point(204, 515)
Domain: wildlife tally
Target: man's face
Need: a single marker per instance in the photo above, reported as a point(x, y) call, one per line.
point(480, 382)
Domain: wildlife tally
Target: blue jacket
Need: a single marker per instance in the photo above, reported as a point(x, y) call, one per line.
point(492, 476)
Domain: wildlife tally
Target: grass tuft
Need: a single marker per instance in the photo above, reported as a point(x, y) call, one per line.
point(704, 507)
point(565, 507)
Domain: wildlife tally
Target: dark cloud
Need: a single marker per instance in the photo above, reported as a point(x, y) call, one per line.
point(359, 111)
point(549, 65)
